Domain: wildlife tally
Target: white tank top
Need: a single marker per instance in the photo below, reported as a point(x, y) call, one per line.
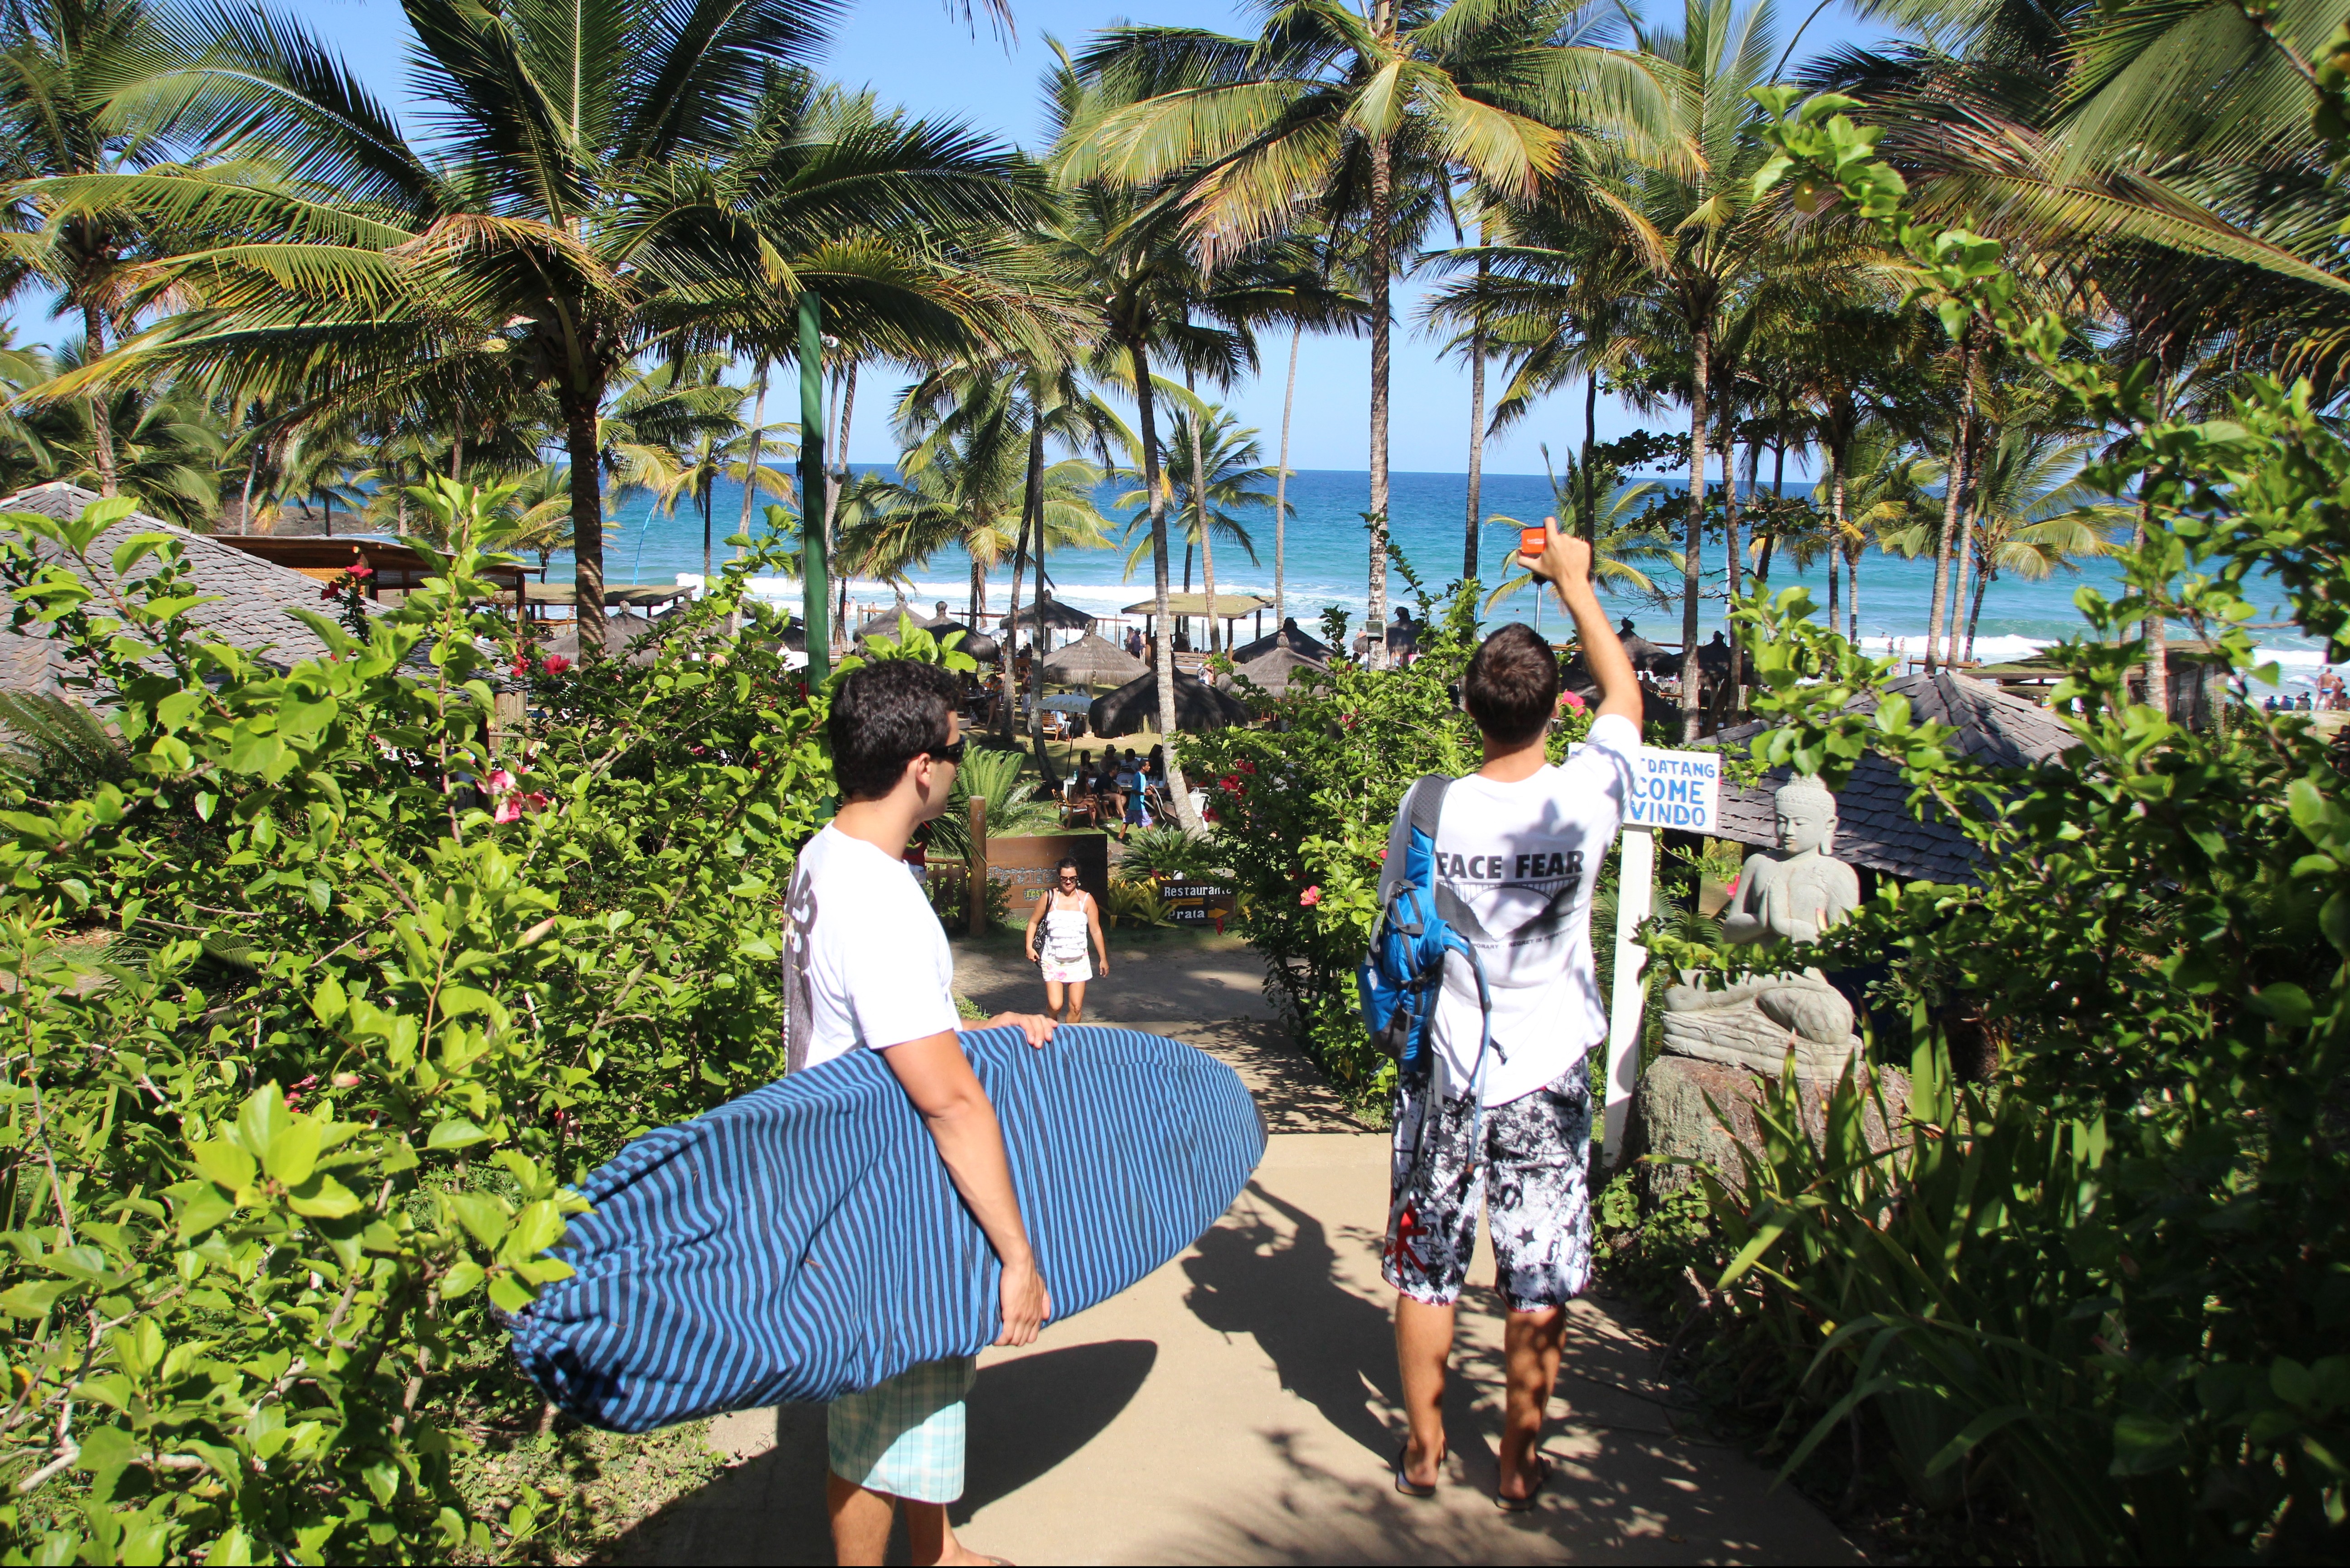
point(1064, 933)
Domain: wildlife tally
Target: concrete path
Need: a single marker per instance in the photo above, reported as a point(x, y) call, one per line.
point(1238, 1406)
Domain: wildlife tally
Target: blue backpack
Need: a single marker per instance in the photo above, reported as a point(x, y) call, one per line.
point(1422, 924)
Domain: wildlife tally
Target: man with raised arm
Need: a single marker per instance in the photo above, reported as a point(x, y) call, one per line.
point(1518, 848)
point(869, 968)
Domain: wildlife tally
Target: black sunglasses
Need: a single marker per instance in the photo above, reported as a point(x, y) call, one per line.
point(952, 755)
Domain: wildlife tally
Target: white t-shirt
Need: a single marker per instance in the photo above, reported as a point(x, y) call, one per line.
point(1523, 857)
point(866, 962)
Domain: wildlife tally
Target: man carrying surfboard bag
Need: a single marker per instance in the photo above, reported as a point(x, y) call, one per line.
point(1495, 1110)
point(869, 969)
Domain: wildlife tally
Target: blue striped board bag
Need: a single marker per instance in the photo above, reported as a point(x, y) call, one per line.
point(805, 1241)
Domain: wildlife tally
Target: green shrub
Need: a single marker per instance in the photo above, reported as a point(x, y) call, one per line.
point(1168, 854)
point(1137, 905)
point(275, 1159)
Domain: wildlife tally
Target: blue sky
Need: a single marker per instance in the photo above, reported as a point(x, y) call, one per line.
point(911, 52)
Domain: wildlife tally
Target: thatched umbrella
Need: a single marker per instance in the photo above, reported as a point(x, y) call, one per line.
point(1289, 636)
point(1198, 706)
point(1092, 662)
point(1271, 672)
point(886, 623)
point(977, 644)
point(1056, 616)
point(1644, 654)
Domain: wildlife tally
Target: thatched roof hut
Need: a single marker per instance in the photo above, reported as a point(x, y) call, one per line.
point(1198, 706)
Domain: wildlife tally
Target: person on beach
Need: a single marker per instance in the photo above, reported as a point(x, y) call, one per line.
point(1519, 844)
point(867, 968)
point(1062, 936)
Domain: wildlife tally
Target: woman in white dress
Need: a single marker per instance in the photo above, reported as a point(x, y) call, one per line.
point(1067, 924)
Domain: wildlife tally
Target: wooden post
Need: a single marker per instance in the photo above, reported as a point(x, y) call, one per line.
point(1635, 876)
point(977, 865)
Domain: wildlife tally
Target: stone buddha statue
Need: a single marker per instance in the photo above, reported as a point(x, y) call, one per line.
point(1794, 893)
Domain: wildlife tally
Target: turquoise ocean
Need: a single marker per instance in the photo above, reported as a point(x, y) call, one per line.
point(1328, 553)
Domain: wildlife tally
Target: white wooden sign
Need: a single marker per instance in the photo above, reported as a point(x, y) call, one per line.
point(1682, 791)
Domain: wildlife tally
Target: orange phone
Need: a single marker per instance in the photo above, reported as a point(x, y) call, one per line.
point(1532, 541)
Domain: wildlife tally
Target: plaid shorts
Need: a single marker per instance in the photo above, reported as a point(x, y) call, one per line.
point(905, 1435)
point(1527, 1162)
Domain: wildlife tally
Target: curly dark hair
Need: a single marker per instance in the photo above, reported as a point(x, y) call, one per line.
point(885, 714)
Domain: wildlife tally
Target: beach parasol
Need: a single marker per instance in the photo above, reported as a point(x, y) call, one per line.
point(977, 644)
point(1289, 636)
point(1066, 702)
point(1271, 672)
point(886, 623)
point(1646, 655)
point(1092, 662)
point(1057, 616)
point(1198, 706)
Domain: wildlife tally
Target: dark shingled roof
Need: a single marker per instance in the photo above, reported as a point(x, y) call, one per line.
point(1874, 824)
point(248, 596)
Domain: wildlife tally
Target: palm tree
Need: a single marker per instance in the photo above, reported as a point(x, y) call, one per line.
point(1712, 237)
point(964, 483)
point(1628, 537)
point(1207, 440)
point(164, 443)
point(63, 64)
point(1328, 105)
point(1886, 503)
point(1122, 247)
point(2032, 515)
point(612, 178)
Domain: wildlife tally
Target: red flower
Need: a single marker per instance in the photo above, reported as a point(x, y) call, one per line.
point(1570, 700)
point(1311, 897)
point(330, 591)
point(557, 664)
point(361, 572)
point(1230, 784)
point(1247, 767)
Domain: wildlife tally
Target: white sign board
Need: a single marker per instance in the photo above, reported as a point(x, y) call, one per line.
point(1682, 791)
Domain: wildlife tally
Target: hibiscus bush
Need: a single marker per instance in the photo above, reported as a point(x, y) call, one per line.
point(311, 1013)
point(1303, 805)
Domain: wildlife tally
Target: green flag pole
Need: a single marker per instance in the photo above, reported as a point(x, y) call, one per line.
point(814, 570)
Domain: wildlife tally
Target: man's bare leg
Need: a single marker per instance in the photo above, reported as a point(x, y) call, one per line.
point(1531, 1341)
point(860, 1520)
point(1423, 1346)
point(930, 1539)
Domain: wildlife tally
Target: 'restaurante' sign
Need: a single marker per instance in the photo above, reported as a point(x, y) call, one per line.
point(1680, 790)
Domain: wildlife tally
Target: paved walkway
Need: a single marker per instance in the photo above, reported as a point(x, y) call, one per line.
point(1238, 1406)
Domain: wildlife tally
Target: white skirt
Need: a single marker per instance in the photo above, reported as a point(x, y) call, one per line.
point(1067, 971)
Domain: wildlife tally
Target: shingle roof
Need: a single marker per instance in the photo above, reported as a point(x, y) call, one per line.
point(1874, 824)
point(248, 597)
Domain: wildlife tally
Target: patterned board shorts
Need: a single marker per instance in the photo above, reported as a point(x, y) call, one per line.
point(905, 1436)
point(1530, 1167)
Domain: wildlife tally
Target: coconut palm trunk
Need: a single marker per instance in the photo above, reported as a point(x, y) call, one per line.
point(1692, 559)
point(579, 411)
point(1476, 425)
point(1037, 655)
point(1590, 496)
point(1382, 259)
point(1954, 491)
point(1200, 506)
point(101, 424)
point(1162, 656)
point(1029, 495)
point(1851, 592)
point(1835, 523)
point(1281, 491)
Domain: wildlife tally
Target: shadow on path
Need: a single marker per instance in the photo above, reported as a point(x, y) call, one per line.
point(1027, 1416)
point(1332, 1348)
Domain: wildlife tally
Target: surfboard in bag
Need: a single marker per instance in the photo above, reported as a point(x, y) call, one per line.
point(805, 1241)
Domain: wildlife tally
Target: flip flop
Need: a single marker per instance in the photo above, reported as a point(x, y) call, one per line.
point(1525, 1504)
point(1408, 1486)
